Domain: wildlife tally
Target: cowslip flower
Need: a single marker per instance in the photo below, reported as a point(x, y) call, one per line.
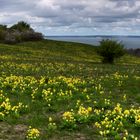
point(33, 133)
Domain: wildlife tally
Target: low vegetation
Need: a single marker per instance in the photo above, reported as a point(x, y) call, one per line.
point(61, 90)
point(110, 50)
point(19, 32)
point(135, 52)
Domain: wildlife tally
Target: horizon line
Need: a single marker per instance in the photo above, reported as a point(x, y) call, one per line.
point(91, 35)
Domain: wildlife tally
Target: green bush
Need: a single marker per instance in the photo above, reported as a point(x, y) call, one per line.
point(12, 37)
point(21, 26)
point(2, 35)
point(31, 36)
point(3, 27)
point(110, 50)
point(9, 39)
point(18, 33)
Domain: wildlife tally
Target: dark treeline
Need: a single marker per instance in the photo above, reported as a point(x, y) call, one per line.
point(18, 33)
point(135, 52)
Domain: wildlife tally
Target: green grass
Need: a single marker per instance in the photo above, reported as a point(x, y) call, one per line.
point(50, 77)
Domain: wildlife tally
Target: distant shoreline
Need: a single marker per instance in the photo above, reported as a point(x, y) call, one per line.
point(128, 41)
point(136, 36)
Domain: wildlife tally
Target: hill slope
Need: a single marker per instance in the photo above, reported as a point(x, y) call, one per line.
point(63, 91)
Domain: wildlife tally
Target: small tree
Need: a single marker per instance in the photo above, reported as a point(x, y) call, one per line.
point(3, 29)
point(110, 50)
point(18, 33)
point(21, 26)
point(31, 36)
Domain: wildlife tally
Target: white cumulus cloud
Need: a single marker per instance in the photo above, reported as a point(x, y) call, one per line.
point(54, 17)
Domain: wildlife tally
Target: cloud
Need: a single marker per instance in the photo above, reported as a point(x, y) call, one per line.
point(74, 17)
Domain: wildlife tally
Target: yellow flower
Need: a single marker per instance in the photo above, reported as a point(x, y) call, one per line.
point(50, 119)
point(137, 119)
point(126, 112)
point(32, 133)
point(126, 132)
point(89, 109)
point(124, 97)
point(68, 116)
point(124, 138)
point(97, 125)
point(101, 133)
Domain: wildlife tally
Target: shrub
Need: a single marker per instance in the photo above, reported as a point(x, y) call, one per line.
point(110, 50)
point(2, 35)
point(31, 36)
point(9, 39)
point(135, 52)
point(12, 37)
point(3, 30)
point(18, 33)
point(21, 26)
point(3, 27)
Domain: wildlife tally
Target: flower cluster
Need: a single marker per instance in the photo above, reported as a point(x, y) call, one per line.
point(52, 125)
point(68, 116)
point(32, 134)
point(116, 121)
point(7, 109)
point(74, 100)
point(83, 113)
point(68, 120)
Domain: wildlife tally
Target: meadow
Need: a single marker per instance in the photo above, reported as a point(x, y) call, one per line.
point(53, 90)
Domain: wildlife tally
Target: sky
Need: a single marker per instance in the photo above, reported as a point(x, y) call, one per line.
point(74, 17)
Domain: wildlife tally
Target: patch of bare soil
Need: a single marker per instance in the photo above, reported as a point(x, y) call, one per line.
point(16, 132)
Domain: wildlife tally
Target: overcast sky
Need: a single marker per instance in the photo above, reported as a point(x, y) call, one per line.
point(74, 17)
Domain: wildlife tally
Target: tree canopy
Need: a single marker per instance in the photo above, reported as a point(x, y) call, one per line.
point(110, 50)
point(18, 32)
point(21, 26)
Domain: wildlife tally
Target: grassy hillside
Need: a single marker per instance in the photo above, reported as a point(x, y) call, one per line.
point(63, 92)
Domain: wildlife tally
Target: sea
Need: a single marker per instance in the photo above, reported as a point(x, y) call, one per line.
point(128, 41)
